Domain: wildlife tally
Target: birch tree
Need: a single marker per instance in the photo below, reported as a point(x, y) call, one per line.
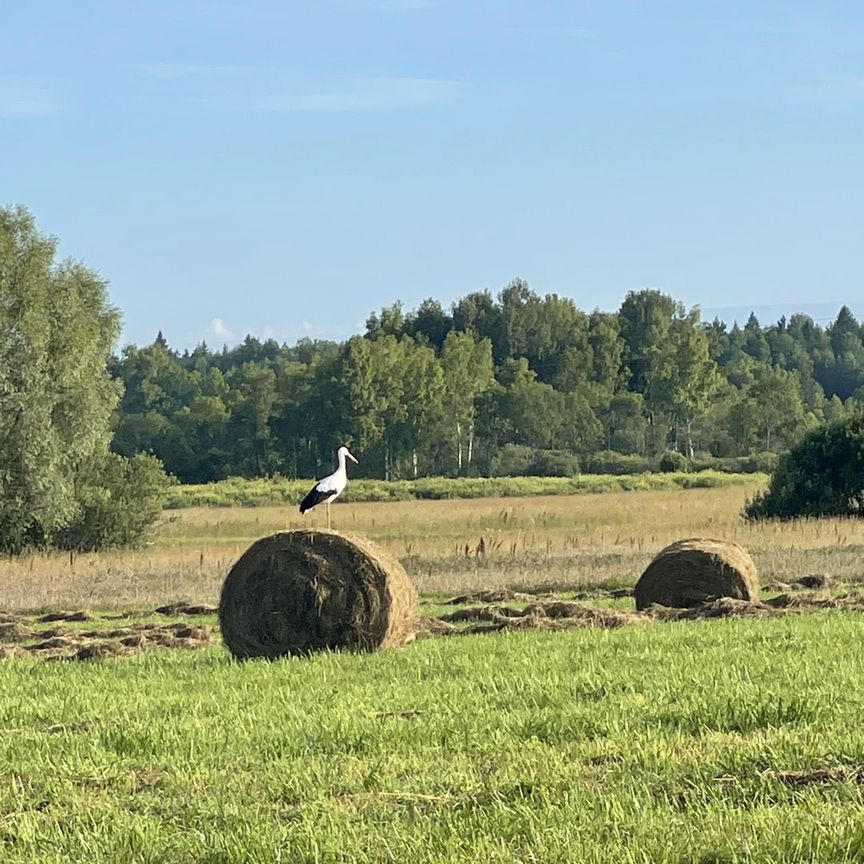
point(468, 373)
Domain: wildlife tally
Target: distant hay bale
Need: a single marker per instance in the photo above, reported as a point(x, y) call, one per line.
point(696, 571)
point(298, 592)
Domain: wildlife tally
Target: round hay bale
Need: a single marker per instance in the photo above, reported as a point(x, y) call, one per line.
point(696, 571)
point(303, 591)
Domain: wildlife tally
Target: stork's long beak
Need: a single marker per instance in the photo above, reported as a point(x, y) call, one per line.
point(348, 454)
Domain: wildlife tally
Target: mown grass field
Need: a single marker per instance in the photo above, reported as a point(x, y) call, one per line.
point(690, 742)
point(701, 741)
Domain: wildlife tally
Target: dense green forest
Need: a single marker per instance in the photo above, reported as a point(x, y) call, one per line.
point(517, 384)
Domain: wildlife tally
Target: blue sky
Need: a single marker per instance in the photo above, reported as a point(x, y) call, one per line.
point(283, 168)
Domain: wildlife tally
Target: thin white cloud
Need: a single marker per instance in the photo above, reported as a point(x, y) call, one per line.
point(220, 331)
point(366, 94)
point(26, 96)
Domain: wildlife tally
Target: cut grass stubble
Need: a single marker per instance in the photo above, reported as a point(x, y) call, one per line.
point(719, 741)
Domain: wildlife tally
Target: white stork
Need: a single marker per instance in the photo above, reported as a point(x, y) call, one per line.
point(330, 487)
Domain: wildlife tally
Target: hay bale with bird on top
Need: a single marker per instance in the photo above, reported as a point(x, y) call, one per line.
point(297, 592)
point(699, 570)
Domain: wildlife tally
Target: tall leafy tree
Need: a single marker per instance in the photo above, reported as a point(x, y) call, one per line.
point(776, 395)
point(468, 374)
point(607, 352)
point(424, 380)
point(696, 381)
point(57, 397)
point(430, 324)
point(846, 373)
point(625, 424)
point(253, 391)
point(374, 386)
point(480, 314)
point(390, 321)
point(755, 342)
point(525, 411)
point(646, 320)
point(519, 312)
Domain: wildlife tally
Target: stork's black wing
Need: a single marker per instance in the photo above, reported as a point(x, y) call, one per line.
point(314, 498)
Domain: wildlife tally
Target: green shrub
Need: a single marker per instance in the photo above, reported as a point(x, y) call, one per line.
point(119, 500)
point(672, 461)
point(704, 462)
point(554, 463)
point(512, 460)
point(766, 462)
point(757, 463)
point(821, 476)
point(611, 462)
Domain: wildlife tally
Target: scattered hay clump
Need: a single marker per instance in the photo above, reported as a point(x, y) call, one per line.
point(99, 650)
point(196, 634)
point(724, 607)
point(13, 631)
point(55, 643)
point(481, 613)
point(851, 601)
point(814, 582)
point(80, 615)
point(492, 596)
point(697, 571)
point(298, 592)
point(590, 616)
point(542, 615)
point(190, 609)
point(8, 652)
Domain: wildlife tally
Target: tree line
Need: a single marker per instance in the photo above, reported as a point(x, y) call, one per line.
point(513, 383)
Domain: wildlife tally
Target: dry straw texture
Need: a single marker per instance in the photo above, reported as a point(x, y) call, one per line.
point(297, 592)
point(696, 571)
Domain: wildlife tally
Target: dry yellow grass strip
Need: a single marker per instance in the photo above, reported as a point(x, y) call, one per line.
point(526, 542)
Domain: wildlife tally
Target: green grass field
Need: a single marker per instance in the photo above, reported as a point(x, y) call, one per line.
point(692, 742)
point(730, 740)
